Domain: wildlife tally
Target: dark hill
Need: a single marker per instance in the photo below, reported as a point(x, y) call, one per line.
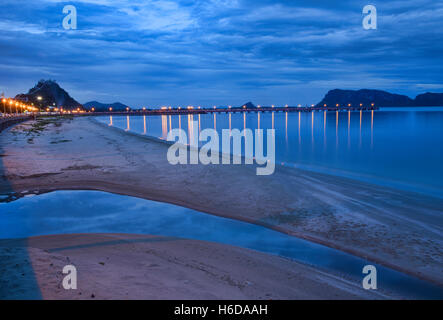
point(249, 105)
point(101, 107)
point(429, 99)
point(52, 95)
point(366, 97)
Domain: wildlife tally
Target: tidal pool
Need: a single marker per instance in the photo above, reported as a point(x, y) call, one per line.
point(65, 212)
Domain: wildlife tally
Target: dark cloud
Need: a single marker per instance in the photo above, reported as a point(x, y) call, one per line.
point(220, 51)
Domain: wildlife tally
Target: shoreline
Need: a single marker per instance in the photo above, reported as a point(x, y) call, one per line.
point(381, 182)
point(7, 122)
point(158, 194)
point(114, 189)
point(123, 266)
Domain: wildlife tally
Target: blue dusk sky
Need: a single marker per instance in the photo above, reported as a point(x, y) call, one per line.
point(220, 52)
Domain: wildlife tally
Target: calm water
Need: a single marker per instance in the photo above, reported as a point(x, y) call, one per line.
point(90, 211)
point(399, 147)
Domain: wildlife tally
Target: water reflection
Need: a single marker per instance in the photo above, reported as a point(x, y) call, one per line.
point(349, 129)
point(382, 150)
point(273, 127)
point(299, 127)
point(312, 129)
point(360, 138)
point(128, 127)
point(109, 213)
point(372, 129)
point(258, 120)
point(324, 131)
point(164, 126)
point(191, 129)
point(324, 121)
point(286, 127)
point(336, 130)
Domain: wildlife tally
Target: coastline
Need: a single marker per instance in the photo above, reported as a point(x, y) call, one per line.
point(122, 266)
point(351, 216)
point(334, 172)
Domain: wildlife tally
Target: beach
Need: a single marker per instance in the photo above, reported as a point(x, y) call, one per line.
point(398, 229)
point(118, 266)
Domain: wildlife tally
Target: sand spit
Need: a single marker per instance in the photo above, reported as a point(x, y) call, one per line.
point(117, 266)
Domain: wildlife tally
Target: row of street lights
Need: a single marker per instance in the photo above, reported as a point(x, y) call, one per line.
point(9, 105)
point(349, 105)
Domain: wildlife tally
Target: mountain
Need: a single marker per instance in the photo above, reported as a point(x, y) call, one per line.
point(249, 105)
point(366, 97)
point(379, 98)
point(429, 99)
point(116, 106)
point(51, 94)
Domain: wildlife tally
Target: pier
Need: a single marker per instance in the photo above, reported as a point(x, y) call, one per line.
point(177, 111)
point(25, 110)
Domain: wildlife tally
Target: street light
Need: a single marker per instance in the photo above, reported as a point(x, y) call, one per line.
point(4, 105)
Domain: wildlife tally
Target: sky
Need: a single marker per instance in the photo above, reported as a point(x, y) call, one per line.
point(220, 52)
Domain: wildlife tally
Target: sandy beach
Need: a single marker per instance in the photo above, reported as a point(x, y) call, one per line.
point(117, 266)
point(398, 229)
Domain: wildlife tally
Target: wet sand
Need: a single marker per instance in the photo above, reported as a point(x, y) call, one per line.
point(401, 230)
point(117, 266)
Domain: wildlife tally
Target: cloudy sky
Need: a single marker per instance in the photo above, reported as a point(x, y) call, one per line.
point(206, 52)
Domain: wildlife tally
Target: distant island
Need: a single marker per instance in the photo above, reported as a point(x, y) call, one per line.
point(380, 98)
point(102, 107)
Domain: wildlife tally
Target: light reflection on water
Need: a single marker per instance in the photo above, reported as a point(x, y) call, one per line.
point(68, 212)
point(400, 147)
